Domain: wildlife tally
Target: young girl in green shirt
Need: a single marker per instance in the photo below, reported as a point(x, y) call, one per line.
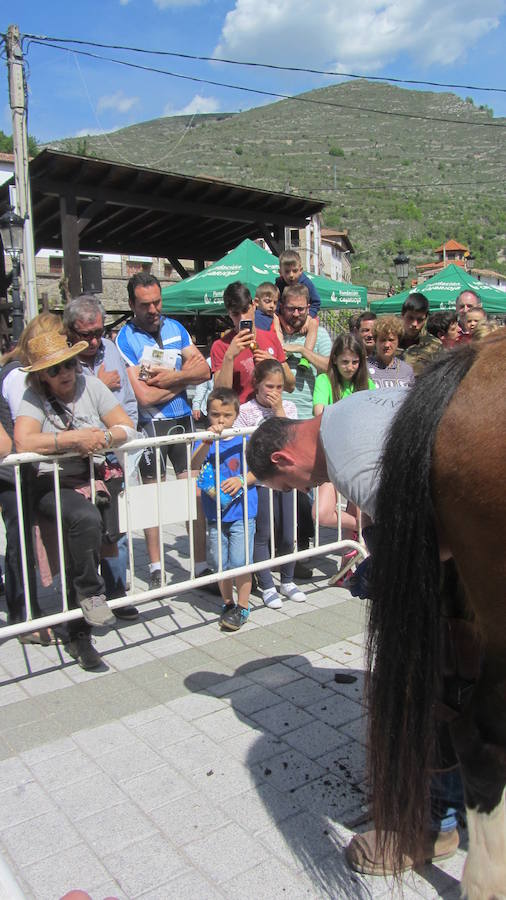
point(347, 372)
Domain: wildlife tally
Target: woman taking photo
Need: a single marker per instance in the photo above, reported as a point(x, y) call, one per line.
point(62, 410)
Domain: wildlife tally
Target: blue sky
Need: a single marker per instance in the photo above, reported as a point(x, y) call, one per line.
point(70, 94)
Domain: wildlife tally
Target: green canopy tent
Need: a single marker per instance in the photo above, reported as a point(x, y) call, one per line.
point(442, 291)
point(249, 263)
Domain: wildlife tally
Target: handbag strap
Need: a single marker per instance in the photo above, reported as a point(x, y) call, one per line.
point(62, 412)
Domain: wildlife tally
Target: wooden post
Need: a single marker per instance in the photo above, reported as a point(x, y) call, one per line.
point(70, 244)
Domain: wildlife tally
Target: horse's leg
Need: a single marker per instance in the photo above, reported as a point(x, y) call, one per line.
point(480, 741)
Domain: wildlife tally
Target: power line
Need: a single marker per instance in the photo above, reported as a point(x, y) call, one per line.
point(297, 98)
point(258, 65)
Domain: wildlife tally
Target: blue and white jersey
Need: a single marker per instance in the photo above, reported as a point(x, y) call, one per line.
point(131, 342)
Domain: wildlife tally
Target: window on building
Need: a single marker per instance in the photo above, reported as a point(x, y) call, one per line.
point(167, 270)
point(56, 265)
point(134, 266)
point(294, 237)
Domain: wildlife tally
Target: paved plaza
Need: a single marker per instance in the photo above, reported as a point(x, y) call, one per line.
point(195, 764)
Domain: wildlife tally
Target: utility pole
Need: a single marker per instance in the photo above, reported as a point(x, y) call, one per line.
point(17, 98)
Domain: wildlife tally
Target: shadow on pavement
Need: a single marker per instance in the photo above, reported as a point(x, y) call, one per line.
point(308, 767)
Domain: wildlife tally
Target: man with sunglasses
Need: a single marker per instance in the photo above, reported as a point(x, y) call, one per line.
point(84, 320)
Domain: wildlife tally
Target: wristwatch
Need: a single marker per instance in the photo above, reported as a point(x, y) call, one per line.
point(108, 438)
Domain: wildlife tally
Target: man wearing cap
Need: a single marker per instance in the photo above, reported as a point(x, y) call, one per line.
point(62, 410)
point(84, 319)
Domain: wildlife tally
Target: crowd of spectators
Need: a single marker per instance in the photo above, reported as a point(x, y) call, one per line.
point(67, 386)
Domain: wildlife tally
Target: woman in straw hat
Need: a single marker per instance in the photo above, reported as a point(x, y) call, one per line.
point(12, 388)
point(63, 411)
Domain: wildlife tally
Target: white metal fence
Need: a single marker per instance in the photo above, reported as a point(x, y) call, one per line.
point(156, 504)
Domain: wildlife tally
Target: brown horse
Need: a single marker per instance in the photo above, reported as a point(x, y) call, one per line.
point(442, 494)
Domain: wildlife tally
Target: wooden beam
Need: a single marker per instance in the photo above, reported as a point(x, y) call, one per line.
point(88, 214)
point(70, 244)
point(110, 196)
point(279, 236)
point(105, 221)
point(131, 224)
point(180, 269)
point(272, 244)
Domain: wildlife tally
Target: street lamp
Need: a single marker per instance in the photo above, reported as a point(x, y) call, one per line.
point(11, 230)
point(401, 263)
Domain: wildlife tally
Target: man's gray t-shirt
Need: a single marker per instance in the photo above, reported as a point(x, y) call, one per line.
point(92, 400)
point(352, 434)
point(305, 377)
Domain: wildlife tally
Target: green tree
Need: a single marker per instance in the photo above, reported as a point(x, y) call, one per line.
point(6, 145)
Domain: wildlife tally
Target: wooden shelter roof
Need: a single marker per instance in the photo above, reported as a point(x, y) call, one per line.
point(128, 209)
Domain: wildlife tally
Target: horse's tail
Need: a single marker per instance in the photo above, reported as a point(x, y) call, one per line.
point(403, 643)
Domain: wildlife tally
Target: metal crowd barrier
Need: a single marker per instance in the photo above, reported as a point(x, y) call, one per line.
point(136, 509)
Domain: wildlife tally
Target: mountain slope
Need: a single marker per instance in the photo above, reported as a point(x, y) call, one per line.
point(389, 180)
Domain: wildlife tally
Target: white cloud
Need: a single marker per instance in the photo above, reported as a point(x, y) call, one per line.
point(89, 132)
point(118, 102)
point(324, 34)
point(197, 105)
point(124, 2)
point(169, 4)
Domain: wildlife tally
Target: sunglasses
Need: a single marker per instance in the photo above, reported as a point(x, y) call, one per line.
point(89, 335)
point(68, 364)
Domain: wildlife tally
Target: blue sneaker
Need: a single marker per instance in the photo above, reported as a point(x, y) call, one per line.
point(233, 618)
point(226, 607)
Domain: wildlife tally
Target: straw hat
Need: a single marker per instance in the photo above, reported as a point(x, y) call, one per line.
point(49, 349)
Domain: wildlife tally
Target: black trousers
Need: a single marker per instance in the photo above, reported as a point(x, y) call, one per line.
point(283, 528)
point(82, 528)
point(305, 524)
point(14, 587)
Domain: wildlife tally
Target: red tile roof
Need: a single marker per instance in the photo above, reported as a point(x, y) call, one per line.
point(450, 245)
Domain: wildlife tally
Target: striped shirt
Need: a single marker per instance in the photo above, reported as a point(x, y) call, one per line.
point(131, 341)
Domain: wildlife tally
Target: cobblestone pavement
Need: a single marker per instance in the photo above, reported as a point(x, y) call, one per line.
point(195, 764)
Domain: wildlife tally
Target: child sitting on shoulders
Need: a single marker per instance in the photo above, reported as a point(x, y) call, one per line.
point(290, 273)
point(222, 410)
point(474, 318)
point(266, 301)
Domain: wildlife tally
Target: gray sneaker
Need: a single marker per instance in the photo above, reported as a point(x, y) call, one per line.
point(96, 611)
